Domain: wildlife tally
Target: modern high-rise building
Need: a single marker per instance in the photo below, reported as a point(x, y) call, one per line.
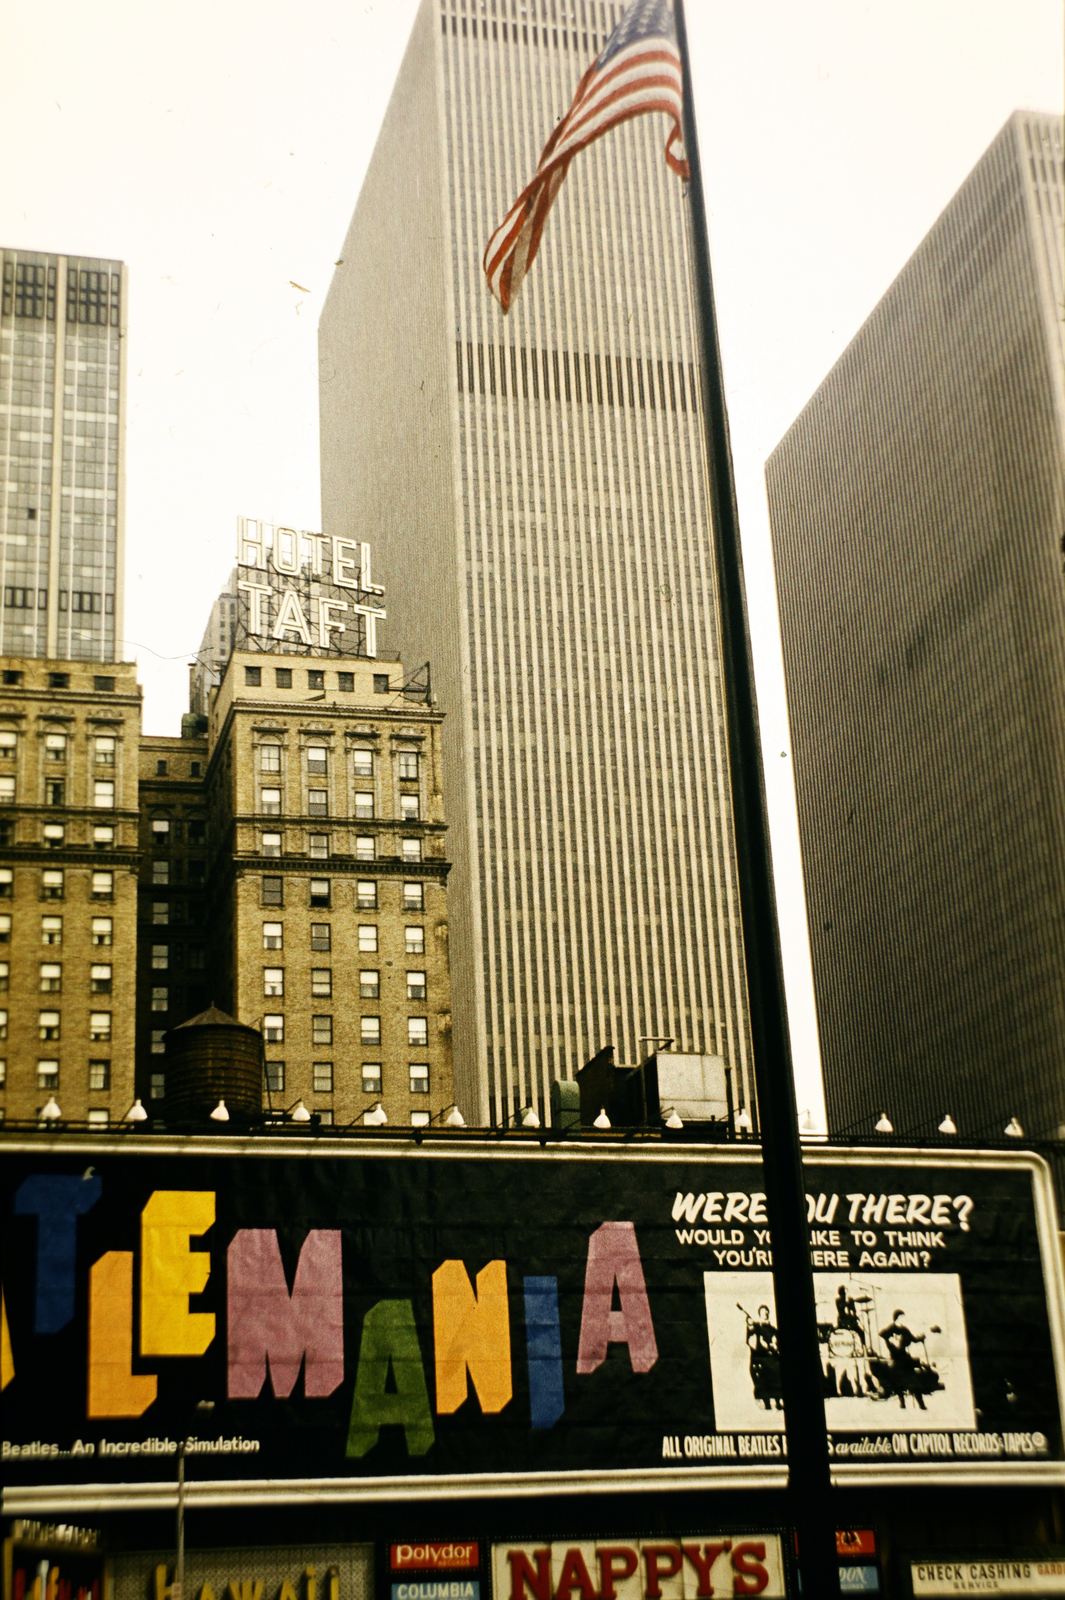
point(918, 506)
point(536, 493)
point(62, 455)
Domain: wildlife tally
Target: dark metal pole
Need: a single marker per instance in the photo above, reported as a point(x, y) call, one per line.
point(809, 1478)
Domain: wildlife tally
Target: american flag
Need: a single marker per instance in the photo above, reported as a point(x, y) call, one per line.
point(639, 70)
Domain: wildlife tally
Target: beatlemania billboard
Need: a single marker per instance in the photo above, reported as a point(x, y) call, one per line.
point(351, 1318)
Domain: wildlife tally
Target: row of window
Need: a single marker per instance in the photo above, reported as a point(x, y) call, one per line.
point(582, 378)
point(322, 1080)
point(322, 939)
point(48, 1076)
point(53, 887)
point(54, 834)
point(164, 831)
point(52, 933)
point(253, 678)
point(55, 792)
point(318, 803)
point(317, 755)
point(272, 892)
point(318, 847)
point(322, 984)
point(49, 1025)
point(12, 678)
point(57, 747)
point(322, 1030)
point(50, 980)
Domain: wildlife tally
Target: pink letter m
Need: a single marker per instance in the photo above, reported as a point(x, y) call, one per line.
point(267, 1323)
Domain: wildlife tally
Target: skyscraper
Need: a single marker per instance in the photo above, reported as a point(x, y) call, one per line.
point(535, 490)
point(62, 511)
point(917, 507)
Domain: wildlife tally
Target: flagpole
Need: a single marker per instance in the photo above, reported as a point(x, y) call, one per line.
point(809, 1472)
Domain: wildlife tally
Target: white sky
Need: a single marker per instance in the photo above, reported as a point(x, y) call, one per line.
point(218, 148)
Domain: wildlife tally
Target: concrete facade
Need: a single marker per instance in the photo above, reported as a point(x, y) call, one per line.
point(69, 735)
point(327, 901)
point(534, 489)
point(917, 507)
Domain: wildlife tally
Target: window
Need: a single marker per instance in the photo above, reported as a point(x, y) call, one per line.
point(5, 976)
point(275, 1073)
point(48, 1025)
point(7, 883)
point(3, 1033)
point(346, 682)
point(160, 832)
point(317, 759)
point(54, 834)
point(59, 680)
point(160, 872)
point(103, 885)
point(380, 683)
point(102, 685)
point(158, 1043)
point(417, 1030)
point(318, 846)
point(369, 984)
point(98, 1117)
point(363, 805)
point(99, 1075)
point(320, 892)
point(274, 1029)
point(104, 750)
point(196, 871)
point(323, 1077)
point(12, 679)
point(51, 930)
point(370, 1030)
point(103, 793)
point(194, 772)
point(321, 1030)
point(283, 677)
point(271, 845)
point(253, 677)
point(55, 747)
point(368, 937)
point(269, 758)
point(320, 936)
point(371, 1077)
point(100, 1026)
point(362, 763)
point(52, 883)
point(419, 1119)
point(160, 999)
point(197, 829)
point(51, 977)
point(48, 1075)
point(103, 836)
point(408, 766)
point(408, 807)
point(102, 930)
point(55, 791)
point(8, 746)
point(366, 894)
point(160, 769)
point(160, 957)
point(411, 849)
point(100, 979)
point(157, 1081)
point(270, 802)
point(413, 897)
point(415, 941)
point(364, 847)
point(415, 985)
point(419, 1077)
point(196, 957)
point(272, 893)
point(7, 791)
point(272, 935)
point(160, 913)
point(317, 803)
point(273, 981)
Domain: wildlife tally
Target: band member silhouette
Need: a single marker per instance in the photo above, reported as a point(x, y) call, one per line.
point(765, 1359)
point(901, 1374)
point(847, 1312)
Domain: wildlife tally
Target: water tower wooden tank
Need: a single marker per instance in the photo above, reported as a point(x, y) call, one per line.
point(209, 1058)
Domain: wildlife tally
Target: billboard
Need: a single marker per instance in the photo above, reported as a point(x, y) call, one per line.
point(358, 1319)
point(693, 1567)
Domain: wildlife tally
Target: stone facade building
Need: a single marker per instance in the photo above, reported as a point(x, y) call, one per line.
point(69, 733)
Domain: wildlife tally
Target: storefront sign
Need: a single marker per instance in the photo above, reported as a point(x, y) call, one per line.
point(984, 1575)
point(356, 1318)
point(435, 1557)
point(265, 1572)
point(693, 1567)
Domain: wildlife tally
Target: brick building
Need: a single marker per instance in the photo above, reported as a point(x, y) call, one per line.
point(69, 733)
